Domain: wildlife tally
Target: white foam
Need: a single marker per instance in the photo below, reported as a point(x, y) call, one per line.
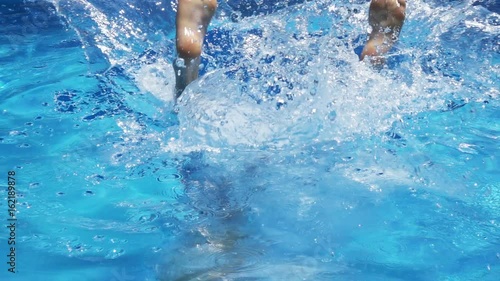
point(157, 78)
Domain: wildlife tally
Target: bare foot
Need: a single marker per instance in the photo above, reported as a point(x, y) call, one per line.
point(386, 17)
point(193, 18)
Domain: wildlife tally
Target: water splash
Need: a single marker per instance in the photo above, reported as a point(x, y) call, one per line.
point(300, 81)
point(285, 116)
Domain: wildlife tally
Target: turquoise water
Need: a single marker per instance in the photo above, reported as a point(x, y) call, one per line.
point(287, 160)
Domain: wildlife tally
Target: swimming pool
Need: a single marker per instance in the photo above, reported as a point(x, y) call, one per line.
point(289, 159)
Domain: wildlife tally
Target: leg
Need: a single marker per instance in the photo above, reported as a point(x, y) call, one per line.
point(386, 18)
point(193, 17)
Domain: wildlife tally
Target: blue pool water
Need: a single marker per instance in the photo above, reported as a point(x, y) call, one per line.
point(287, 160)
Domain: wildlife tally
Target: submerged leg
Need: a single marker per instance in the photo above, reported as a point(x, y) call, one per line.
point(193, 17)
point(386, 17)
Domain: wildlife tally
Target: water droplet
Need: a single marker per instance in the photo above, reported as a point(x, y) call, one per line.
point(115, 253)
point(314, 88)
point(99, 238)
point(332, 115)
point(347, 158)
point(235, 16)
point(148, 218)
point(179, 62)
point(280, 103)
